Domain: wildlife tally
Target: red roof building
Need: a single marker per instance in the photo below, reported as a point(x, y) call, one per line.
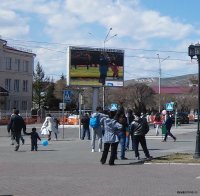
point(172, 90)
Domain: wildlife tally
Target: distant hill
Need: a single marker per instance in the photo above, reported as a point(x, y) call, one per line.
point(182, 81)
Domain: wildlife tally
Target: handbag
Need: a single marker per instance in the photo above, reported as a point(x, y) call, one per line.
point(44, 131)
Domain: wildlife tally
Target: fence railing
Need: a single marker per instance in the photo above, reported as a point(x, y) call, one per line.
point(29, 118)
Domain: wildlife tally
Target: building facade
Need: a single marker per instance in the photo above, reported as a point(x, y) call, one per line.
point(16, 77)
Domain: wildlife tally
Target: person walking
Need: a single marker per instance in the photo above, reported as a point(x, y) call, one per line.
point(139, 128)
point(11, 133)
point(168, 123)
point(48, 126)
point(110, 138)
point(15, 125)
point(34, 138)
point(157, 122)
point(85, 128)
point(97, 130)
point(56, 123)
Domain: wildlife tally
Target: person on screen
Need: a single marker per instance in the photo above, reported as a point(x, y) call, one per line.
point(103, 68)
point(115, 69)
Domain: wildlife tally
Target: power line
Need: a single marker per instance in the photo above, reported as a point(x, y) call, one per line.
point(67, 44)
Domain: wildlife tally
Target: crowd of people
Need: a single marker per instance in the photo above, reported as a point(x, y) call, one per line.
point(118, 127)
point(109, 127)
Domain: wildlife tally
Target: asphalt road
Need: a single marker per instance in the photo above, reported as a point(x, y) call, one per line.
point(67, 167)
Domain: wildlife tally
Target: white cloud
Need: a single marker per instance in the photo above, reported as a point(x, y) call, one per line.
point(11, 24)
point(69, 21)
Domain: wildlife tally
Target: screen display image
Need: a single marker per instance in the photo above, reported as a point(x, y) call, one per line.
point(95, 67)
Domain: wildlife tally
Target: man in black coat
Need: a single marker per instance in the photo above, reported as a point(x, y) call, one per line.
point(139, 128)
point(15, 125)
point(86, 129)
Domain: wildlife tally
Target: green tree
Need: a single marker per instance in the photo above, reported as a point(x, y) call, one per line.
point(60, 85)
point(50, 100)
point(39, 84)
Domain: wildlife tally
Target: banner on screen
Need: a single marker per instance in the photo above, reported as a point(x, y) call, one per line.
point(95, 66)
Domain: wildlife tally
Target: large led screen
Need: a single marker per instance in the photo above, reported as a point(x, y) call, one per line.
point(95, 66)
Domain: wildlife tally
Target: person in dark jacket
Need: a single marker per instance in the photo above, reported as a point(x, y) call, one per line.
point(130, 119)
point(168, 124)
point(11, 132)
point(103, 68)
point(139, 135)
point(86, 126)
point(34, 137)
point(121, 118)
point(15, 125)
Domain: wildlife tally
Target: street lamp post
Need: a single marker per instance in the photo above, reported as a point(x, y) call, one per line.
point(194, 50)
point(107, 38)
point(159, 82)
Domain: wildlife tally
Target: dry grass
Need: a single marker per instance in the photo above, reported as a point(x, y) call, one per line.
point(176, 158)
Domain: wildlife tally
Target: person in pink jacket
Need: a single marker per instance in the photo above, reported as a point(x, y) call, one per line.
point(157, 123)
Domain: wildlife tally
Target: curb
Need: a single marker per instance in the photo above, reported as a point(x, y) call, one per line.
point(192, 164)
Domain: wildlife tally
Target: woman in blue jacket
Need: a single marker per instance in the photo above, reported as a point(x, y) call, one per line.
point(110, 137)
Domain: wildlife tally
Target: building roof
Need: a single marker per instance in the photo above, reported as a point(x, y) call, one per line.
point(3, 92)
point(172, 90)
point(18, 49)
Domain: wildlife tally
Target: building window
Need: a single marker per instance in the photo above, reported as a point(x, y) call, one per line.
point(17, 65)
point(8, 84)
point(25, 86)
point(16, 104)
point(25, 66)
point(8, 105)
point(8, 63)
point(24, 105)
point(16, 85)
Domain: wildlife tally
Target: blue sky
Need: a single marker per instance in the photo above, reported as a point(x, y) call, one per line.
point(146, 30)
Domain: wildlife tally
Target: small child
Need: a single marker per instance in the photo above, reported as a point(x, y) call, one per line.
point(34, 137)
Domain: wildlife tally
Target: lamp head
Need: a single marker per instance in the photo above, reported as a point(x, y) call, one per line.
point(191, 51)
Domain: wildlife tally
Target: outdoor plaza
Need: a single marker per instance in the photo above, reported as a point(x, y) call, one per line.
point(67, 167)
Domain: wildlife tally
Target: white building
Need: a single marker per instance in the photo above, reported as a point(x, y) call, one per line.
point(16, 77)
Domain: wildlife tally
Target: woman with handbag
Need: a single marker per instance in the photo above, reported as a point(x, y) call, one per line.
point(48, 126)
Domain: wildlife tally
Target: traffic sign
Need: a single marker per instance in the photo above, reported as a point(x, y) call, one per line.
point(67, 96)
point(169, 106)
point(62, 106)
point(113, 107)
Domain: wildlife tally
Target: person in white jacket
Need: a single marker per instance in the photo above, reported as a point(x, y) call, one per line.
point(48, 126)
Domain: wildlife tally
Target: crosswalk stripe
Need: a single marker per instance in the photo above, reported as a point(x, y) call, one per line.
point(154, 137)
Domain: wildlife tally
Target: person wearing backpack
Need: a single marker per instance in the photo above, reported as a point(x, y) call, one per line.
point(139, 128)
point(96, 128)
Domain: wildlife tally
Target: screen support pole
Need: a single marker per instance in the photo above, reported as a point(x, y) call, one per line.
point(95, 96)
